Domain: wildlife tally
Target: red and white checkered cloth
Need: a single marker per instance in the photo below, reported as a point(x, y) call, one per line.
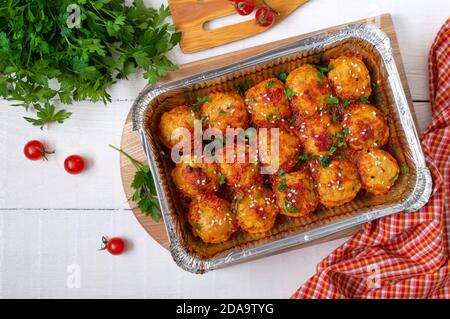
point(403, 255)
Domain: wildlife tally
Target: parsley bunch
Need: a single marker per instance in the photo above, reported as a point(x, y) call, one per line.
point(144, 185)
point(85, 45)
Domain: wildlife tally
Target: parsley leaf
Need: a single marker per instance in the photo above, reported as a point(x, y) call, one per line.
point(283, 185)
point(332, 100)
point(39, 45)
point(289, 92)
point(144, 188)
point(270, 84)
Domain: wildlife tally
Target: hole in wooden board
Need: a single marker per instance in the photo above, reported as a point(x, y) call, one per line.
point(226, 21)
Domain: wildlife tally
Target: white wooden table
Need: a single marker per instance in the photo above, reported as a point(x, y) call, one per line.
point(51, 222)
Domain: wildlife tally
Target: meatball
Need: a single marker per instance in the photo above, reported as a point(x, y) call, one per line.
point(366, 127)
point(289, 148)
point(338, 183)
point(224, 110)
point(318, 134)
point(310, 88)
point(350, 78)
point(180, 116)
point(239, 172)
point(212, 219)
point(295, 193)
point(378, 170)
point(194, 179)
point(256, 209)
point(267, 103)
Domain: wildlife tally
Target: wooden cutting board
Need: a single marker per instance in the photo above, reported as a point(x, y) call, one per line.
point(132, 144)
point(191, 16)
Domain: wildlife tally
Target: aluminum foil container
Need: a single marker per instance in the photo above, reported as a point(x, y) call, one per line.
point(410, 192)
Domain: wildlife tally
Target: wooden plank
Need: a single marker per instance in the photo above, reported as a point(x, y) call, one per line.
point(190, 16)
point(132, 144)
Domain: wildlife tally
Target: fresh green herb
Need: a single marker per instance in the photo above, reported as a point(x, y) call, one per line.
point(394, 179)
point(405, 170)
point(195, 108)
point(324, 70)
point(325, 161)
point(270, 84)
point(281, 172)
point(335, 117)
point(340, 156)
point(283, 185)
point(46, 114)
point(289, 92)
point(292, 208)
point(242, 87)
point(250, 100)
point(345, 103)
point(270, 117)
point(202, 100)
point(375, 86)
point(44, 40)
point(234, 210)
point(341, 144)
point(364, 99)
point(222, 112)
point(332, 150)
point(320, 75)
point(222, 179)
point(259, 196)
point(282, 76)
point(304, 157)
point(343, 133)
point(283, 204)
point(144, 188)
point(292, 120)
point(205, 118)
point(332, 100)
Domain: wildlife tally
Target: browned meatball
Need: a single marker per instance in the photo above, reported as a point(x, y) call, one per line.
point(289, 148)
point(178, 117)
point(350, 78)
point(378, 170)
point(318, 134)
point(194, 179)
point(366, 127)
point(212, 219)
point(224, 110)
point(267, 103)
point(256, 209)
point(295, 193)
point(310, 90)
point(338, 183)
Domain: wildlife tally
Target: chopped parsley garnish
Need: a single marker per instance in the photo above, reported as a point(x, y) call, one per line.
point(324, 70)
point(341, 144)
point(195, 108)
point(340, 156)
point(250, 100)
point(332, 100)
point(289, 92)
point(394, 179)
point(375, 86)
point(364, 99)
point(304, 157)
point(345, 103)
point(325, 161)
point(281, 172)
point(270, 84)
point(292, 120)
point(335, 117)
point(270, 117)
point(282, 185)
point(332, 150)
point(201, 100)
point(222, 179)
point(242, 87)
point(282, 76)
point(405, 170)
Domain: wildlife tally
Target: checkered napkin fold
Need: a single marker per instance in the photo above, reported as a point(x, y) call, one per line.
point(403, 255)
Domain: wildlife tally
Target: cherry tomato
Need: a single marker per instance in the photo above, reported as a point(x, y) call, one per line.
point(244, 7)
point(265, 16)
point(115, 246)
point(35, 150)
point(74, 164)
